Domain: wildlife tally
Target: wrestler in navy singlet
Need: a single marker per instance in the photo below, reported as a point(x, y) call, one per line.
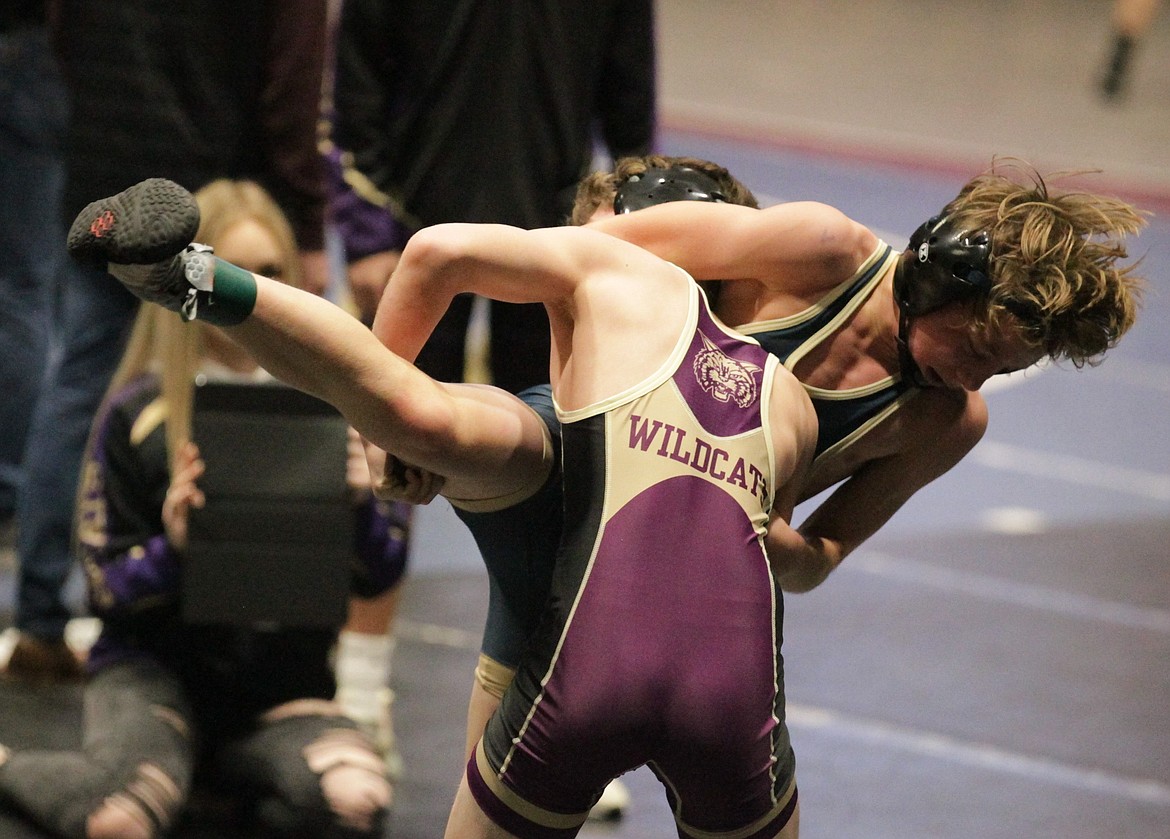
point(661, 643)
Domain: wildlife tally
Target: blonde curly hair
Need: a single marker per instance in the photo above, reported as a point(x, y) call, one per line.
point(1054, 259)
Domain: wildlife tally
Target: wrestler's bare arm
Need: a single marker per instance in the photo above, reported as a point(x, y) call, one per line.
point(866, 500)
point(430, 272)
point(792, 423)
point(799, 248)
point(442, 261)
point(614, 309)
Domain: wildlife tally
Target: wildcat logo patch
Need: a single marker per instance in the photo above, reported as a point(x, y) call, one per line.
point(725, 378)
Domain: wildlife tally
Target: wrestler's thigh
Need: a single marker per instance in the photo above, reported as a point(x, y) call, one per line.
point(468, 821)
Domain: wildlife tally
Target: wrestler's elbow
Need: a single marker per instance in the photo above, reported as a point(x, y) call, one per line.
point(438, 254)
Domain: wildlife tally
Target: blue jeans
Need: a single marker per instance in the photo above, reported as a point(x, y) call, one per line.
point(33, 114)
point(92, 322)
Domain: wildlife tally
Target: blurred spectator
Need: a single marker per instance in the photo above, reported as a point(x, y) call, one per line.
point(33, 112)
point(187, 90)
point(1130, 20)
point(243, 711)
point(476, 111)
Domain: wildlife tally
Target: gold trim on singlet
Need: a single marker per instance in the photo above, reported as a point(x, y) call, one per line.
point(756, 826)
point(789, 321)
point(537, 815)
point(850, 308)
point(861, 430)
point(664, 371)
point(493, 676)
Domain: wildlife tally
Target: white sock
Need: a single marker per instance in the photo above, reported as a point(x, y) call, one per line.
point(362, 669)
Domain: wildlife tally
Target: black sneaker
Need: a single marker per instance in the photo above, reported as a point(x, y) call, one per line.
point(145, 231)
point(149, 222)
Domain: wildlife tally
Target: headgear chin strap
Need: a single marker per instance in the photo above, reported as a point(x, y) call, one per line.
point(943, 263)
point(660, 186)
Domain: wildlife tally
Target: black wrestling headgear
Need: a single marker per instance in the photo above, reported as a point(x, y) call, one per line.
point(659, 186)
point(942, 263)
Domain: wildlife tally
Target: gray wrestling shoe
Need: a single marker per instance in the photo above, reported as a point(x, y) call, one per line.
point(143, 236)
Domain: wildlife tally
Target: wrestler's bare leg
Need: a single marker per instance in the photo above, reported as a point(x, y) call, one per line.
point(480, 708)
point(468, 821)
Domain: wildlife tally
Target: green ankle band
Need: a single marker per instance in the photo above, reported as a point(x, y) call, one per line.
point(233, 295)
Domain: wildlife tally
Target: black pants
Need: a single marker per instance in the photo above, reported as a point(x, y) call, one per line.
point(519, 344)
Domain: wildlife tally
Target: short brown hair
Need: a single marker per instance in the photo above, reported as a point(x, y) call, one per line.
point(599, 188)
point(1054, 259)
